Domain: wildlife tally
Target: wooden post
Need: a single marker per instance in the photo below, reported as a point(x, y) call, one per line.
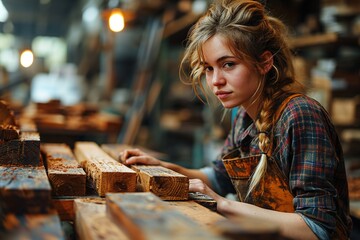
point(106, 174)
point(25, 190)
point(164, 183)
point(66, 176)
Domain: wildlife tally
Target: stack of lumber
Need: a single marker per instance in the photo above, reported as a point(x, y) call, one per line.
point(165, 183)
point(43, 184)
point(80, 117)
point(25, 192)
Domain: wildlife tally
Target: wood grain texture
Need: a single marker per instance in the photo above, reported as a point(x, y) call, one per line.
point(66, 176)
point(92, 223)
point(197, 212)
point(164, 183)
point(21, 152)
point(31, 227)
point(106, 174)
point(146, 216)
point(25, 190)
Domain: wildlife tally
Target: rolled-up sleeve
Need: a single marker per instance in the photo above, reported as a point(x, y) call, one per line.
point(311, 154)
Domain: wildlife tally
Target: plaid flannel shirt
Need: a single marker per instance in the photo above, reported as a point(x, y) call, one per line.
point(309, 153)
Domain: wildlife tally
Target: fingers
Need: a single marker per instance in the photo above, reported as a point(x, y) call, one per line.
point(196, 185)
point(138, 160)
point(136, 156)
point(126, 154)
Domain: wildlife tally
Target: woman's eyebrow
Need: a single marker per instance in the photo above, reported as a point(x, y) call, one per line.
point(220, 59)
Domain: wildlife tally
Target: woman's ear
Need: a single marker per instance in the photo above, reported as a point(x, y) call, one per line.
point(267, 62)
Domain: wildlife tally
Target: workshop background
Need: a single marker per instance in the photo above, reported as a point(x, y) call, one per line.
point(79, 78)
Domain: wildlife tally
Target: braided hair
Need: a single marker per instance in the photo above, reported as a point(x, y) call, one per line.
point(249, 31)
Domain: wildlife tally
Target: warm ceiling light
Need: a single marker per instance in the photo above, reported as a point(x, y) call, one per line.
point(26, 58)
point(116, 20)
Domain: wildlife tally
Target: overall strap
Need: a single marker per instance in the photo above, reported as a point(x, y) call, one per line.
point(278, 113)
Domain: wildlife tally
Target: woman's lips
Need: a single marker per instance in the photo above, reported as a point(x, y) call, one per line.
point(222, 95)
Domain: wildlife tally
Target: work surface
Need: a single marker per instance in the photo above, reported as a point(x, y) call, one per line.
point(89, 187)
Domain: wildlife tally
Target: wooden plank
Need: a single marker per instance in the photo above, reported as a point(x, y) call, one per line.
point(21, 152)
point(66, 176)
point(197, 212)
point(32, 226)
point(114, 150)
point(92, 223)
point(146, 216)
point(65, 205)
point(25, 190)
point(106, 174)
point(164, 183)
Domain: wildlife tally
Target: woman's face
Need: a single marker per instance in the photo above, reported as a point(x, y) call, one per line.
point(230, 79)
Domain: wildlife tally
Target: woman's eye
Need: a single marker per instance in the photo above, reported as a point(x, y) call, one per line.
point(208, 69)
point(228, 64)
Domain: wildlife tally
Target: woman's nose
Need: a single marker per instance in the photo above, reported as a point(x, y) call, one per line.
point(217, 78)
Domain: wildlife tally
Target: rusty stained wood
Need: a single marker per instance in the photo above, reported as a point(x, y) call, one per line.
point(106, 174)
point(164, 183)
point(24, 151)
point(66, 176)
point(92, 223)
point(32, 226)
point(25, 190)
point(9, 132)
point(146, 216)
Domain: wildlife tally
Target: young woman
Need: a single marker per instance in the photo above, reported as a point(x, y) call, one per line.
point(282, 157)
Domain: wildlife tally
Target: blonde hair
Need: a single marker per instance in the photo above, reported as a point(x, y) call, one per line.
point(249, 31)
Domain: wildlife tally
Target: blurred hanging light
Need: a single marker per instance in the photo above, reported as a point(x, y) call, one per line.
point(116, 20)
point(26, 58)
point(4, 14)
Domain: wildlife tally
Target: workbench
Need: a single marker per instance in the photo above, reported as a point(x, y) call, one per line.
point(138, 204)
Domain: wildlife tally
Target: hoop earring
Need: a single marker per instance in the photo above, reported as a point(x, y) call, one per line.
point(277, 74)
point(257, 90)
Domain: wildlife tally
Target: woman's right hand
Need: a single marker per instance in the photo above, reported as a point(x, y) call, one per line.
point(136, 156)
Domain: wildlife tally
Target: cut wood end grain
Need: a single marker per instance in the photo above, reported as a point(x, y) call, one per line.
point(106, 174)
